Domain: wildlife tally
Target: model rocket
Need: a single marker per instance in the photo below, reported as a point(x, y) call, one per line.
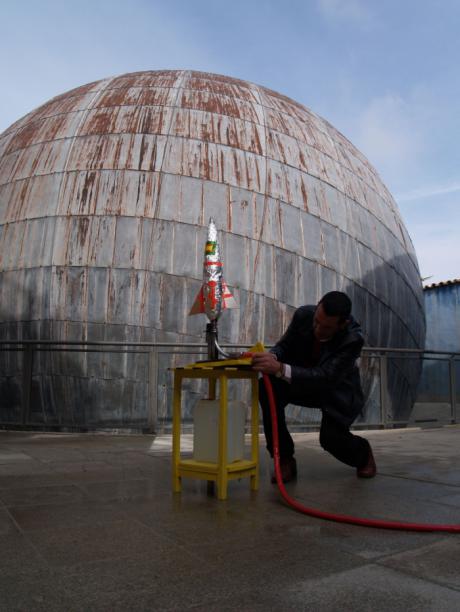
point(214, 295)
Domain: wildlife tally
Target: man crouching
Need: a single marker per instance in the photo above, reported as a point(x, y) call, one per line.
point(314, 365)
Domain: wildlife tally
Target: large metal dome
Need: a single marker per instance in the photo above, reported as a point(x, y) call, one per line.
point(105, 194)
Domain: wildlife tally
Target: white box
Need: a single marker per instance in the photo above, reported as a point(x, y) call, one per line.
point(206, 430)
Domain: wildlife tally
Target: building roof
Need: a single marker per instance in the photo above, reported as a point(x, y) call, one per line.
point(454, 281)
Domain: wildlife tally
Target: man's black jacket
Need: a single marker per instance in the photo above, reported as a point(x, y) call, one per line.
point(333, 383)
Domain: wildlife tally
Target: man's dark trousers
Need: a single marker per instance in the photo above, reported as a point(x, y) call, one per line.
point(334, 436)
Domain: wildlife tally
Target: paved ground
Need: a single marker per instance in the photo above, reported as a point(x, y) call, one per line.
point(88, 523)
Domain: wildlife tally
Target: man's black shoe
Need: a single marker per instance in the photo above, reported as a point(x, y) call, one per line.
point(288, 470)
point(370, 469)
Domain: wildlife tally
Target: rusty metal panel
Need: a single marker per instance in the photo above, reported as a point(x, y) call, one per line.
point(113, 152)
point(213, 162)
point(222, 105)
point(291, 229)
point(160, 256)
point(350, 259)
point(216, 203)
point(262, 269)
point(169, 201)
point(45, 129)
point(160, 78)
point(98, 288)
point(99, 192)
point(332, 246)
point(126, 251)
point(41, 197)
point(77, 235)
point(109, 97)
point(187, 254)
point(152, 312)
point(5, 140)
point(236, 267)
point(36, 247)
point(271, 226)
point(56, 107)
point(102, 241)
point(7, 164)
point(127, 120)
point(12, 239)
point(241, 90)
point(189, 193)
point(285, 276)
point(222, 129)
point(246, 210)
point(39, 159)
point(311, 233)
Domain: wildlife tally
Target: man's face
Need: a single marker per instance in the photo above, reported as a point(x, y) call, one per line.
point(325, 327)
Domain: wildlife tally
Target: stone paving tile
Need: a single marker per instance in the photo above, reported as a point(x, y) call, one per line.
point(141, 583)
point(18, 556)
point(50, 494)
point(7, 524)
point(24, 468)
point(105, 473)
point(127, 458)
point(450, 500)
point(437, 562)
point(70, 546)
point(32, 596)
point(367, 589)
point(77, 467)
point(369, 544)
point(55, 516)
point(176, 582)
point(125, 490)
point(11, 456)
point(12, 481)
point(48, 454)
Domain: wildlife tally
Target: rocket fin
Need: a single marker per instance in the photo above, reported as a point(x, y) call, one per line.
point(198, 304)
point(228, 299)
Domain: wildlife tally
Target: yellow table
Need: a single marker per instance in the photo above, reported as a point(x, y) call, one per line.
point(220, 472)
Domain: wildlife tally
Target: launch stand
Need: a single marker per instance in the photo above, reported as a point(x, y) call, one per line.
point(222, 471)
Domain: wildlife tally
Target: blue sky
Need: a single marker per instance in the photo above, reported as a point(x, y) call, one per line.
point(386, 73)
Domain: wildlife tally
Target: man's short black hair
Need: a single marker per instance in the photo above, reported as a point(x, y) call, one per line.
point(336, 304)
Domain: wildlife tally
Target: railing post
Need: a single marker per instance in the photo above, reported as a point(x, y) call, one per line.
point(153, 391)
point(27, 369)
point(453, 390)
point(383, 389)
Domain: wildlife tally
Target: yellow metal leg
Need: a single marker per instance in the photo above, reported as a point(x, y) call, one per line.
point(255, 431)
point(176, 430)
point(222, 474)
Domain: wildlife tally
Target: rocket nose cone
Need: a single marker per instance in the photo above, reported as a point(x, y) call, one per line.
point(212, 230)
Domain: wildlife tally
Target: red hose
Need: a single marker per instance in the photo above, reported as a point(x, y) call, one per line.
point(339, 518)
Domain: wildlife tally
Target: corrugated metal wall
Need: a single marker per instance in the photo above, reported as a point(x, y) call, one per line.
point(442, 305)
point(105, 193)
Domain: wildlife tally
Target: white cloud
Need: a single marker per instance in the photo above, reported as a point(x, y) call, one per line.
point(386, 132)
point(356, 11)
point(438, 254)
point(428, 192)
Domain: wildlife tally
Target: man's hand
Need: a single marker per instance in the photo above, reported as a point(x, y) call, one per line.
point(265, 363)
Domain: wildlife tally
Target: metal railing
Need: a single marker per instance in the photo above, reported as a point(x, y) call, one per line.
point(154, 352)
